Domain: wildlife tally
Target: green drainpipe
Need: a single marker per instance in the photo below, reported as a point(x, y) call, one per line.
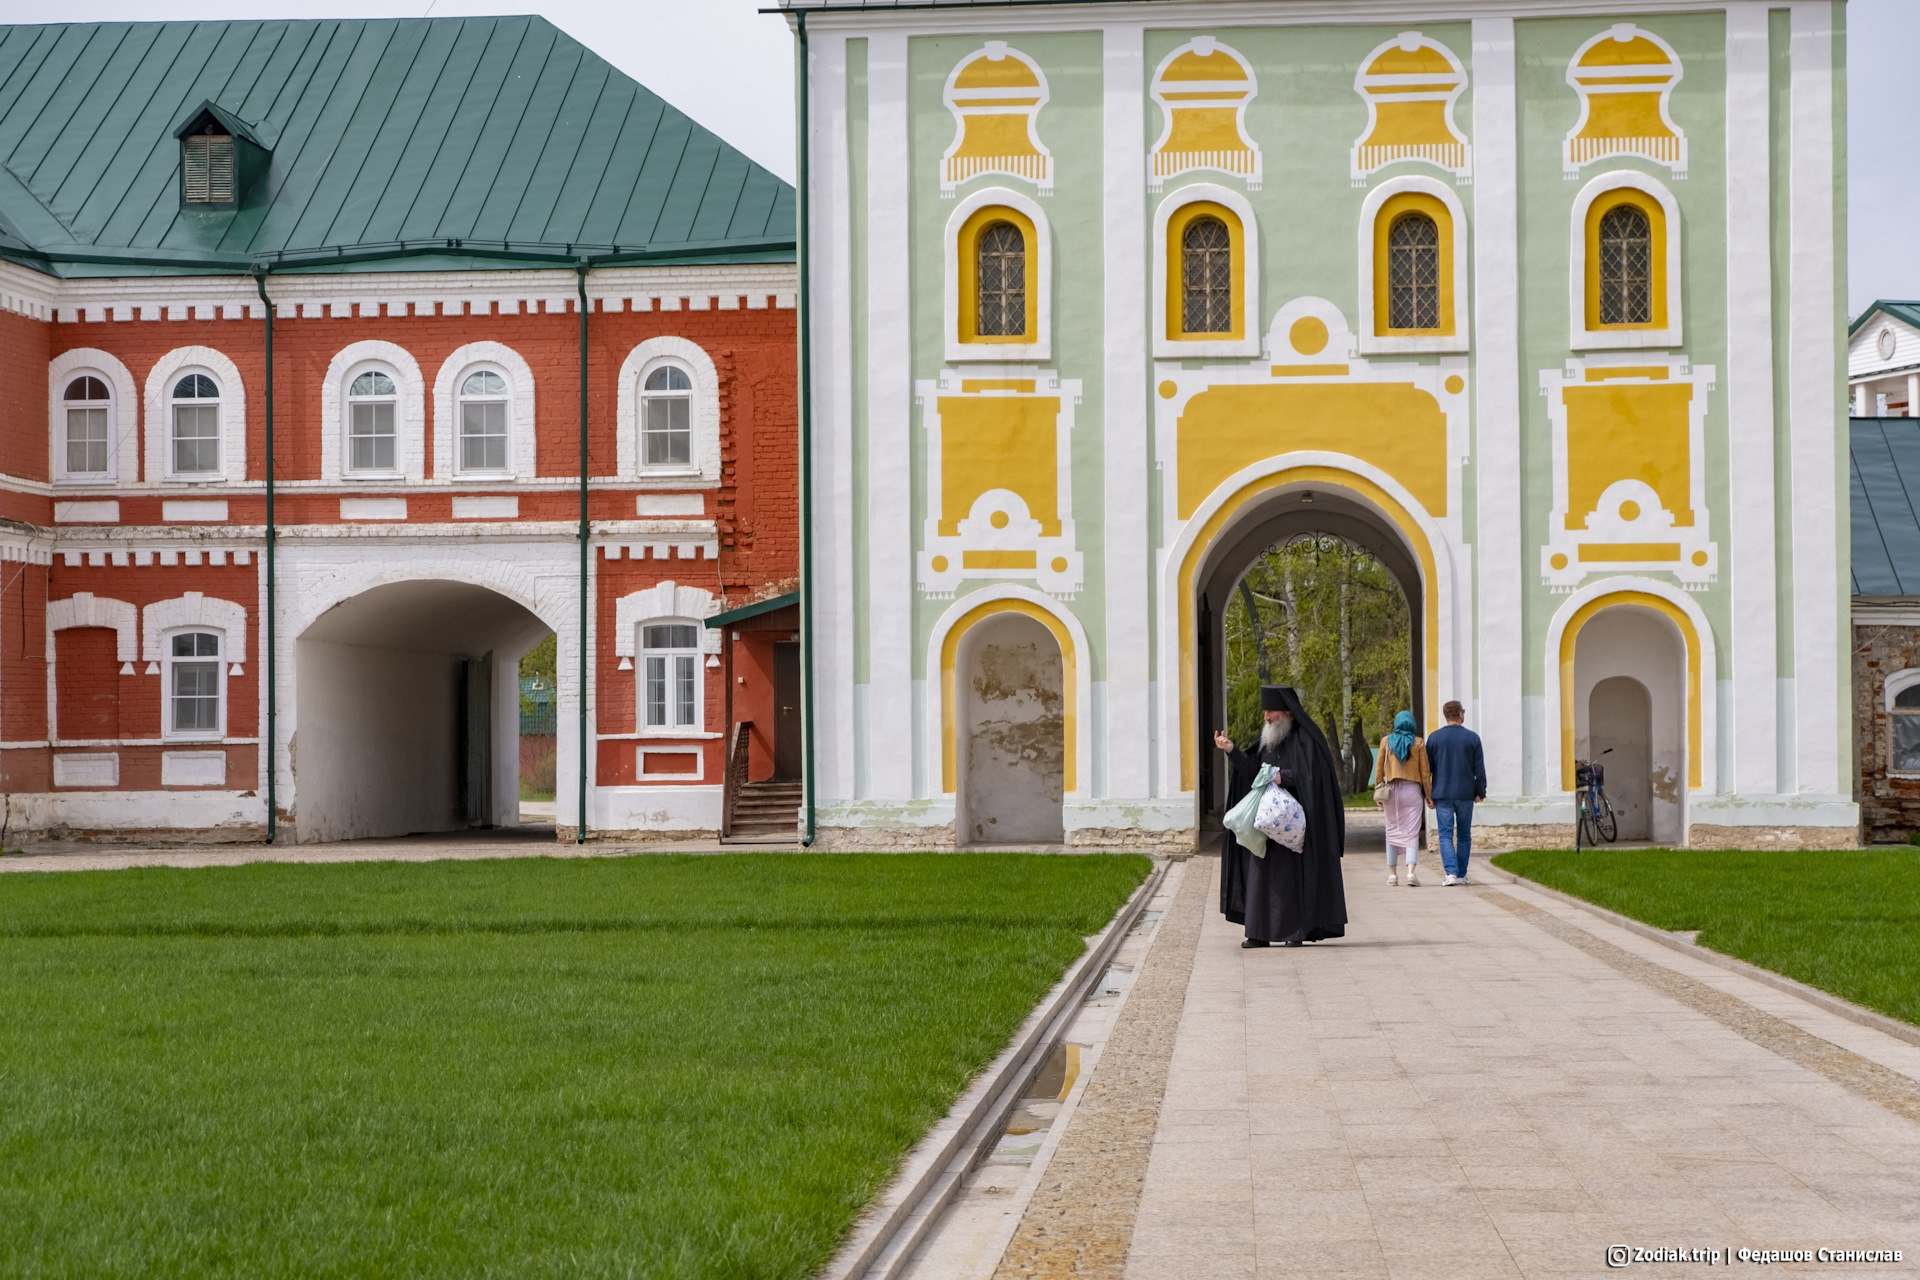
point(268, 631)
point(586, 556)
point(806, 452)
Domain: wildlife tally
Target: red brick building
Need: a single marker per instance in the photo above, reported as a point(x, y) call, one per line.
point(406, 214)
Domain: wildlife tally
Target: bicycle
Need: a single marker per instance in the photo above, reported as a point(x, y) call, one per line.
point(1593, 813)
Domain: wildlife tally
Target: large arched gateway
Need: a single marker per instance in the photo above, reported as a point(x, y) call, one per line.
point(408, 712)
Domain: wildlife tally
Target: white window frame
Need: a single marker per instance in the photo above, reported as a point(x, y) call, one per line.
point(447, 381)
point(1372, 343)
point(1165, 348)
point(691, 466)
point(1897, 683)
point(348, 401)
point(64, 445)
point(172, 405)
point(409, 416)
point(1585, 339)
point(161, 380)
point(1041, 251)
point(664, 602)
point(123, 417)
point(167, 664)
point(460, 401)
point(698, 365)
point(672, 660)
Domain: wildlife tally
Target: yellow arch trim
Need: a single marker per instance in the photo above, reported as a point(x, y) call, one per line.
point(1177, 223)
point(1392, 211)
point(1656, 215)
point(1332, 477)
point(969, 249)
point(1688, 634)
point(950, 685)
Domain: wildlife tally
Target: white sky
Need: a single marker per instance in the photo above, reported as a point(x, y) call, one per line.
point(731, 68)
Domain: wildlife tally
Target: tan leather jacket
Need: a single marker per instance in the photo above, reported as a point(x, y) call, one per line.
point(1388, 767)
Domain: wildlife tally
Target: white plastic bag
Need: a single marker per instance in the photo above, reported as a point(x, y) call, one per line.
point(1280, 818)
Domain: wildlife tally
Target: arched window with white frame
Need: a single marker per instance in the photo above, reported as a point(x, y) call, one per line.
point(373, 403)
point(194, 426)
point(670, 685)
point(669, 415)
point(485, 407)
point(666, 418)
point(195, 683)
point(87, 407)
point(1903, 722)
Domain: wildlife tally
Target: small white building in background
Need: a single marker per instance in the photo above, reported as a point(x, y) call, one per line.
point(1883, 361)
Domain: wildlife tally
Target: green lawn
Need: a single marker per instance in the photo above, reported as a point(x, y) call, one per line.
point(656, 1066)
point(1845, 921)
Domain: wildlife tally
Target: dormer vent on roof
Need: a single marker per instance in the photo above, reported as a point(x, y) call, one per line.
point(221, 158)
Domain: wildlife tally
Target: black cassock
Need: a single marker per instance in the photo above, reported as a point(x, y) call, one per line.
point(1288, 896)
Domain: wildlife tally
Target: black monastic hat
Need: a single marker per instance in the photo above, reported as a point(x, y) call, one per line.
point(1277, 697)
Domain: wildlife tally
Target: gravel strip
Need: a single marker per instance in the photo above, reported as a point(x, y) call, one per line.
point(1892, 1090)
point(1080, 1220)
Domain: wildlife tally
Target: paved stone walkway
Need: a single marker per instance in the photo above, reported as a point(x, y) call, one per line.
point(1484, 1082)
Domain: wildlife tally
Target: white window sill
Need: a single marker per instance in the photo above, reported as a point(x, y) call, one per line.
point(662, 735)
point(102, 480)
point(207, 477)
point(1624, 339)
point(197, 740)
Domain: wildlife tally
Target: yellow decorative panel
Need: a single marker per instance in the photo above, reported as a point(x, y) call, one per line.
point(999, 495)
point(1410, 85)
point(1625, 78)
point(1629, 484)
point(995, 95)
point(1203, 89)
point(1394, 426)
point(1622, 431)
point(998, 443)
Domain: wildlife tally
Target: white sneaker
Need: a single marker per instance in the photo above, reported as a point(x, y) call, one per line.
point(1413, 876)
point(1450, 880)
point(1459, 879)
point(1393, 877)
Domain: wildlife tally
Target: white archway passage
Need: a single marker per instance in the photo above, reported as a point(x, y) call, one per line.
point(408, 711)
point(1646, 647)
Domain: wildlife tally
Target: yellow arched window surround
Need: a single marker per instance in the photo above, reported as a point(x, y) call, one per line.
point(969, 258)
point(1407, 204)
point(1177, 224)
point(1656, 262)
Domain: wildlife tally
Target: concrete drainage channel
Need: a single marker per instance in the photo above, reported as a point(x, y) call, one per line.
point(953, 1207)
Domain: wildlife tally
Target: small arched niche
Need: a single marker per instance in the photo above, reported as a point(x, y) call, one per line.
point(1012, 733)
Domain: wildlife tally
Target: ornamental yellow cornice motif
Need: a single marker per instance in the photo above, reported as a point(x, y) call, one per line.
point(1203, 89)
point(1410, 85)
point(1625, 78)
point(995, 95)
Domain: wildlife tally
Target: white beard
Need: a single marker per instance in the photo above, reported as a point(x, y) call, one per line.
point(1274, 732)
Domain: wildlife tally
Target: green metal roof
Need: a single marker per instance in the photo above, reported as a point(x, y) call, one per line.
point(415, 142)
point(746, 611)
point(1907, 311)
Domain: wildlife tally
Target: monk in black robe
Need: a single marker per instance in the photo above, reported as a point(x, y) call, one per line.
point(1286, 896)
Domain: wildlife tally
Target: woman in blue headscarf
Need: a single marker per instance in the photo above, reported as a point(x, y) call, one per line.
point(1403, 785)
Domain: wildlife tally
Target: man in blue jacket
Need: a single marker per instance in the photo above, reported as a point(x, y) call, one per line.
point(1459, 778)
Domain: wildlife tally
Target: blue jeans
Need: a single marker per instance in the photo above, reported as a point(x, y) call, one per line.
point(1455, 849)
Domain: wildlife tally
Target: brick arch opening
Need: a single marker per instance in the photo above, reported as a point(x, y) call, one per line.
point(407, 705)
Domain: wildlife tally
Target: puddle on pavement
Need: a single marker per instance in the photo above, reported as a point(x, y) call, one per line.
point(1027, 1126)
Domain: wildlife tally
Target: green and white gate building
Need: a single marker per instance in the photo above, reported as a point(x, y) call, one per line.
point(1541, 304)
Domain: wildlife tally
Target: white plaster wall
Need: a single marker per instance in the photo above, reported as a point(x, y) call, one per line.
point(1014, 733)
point(375, 749)
point(1627, 641)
